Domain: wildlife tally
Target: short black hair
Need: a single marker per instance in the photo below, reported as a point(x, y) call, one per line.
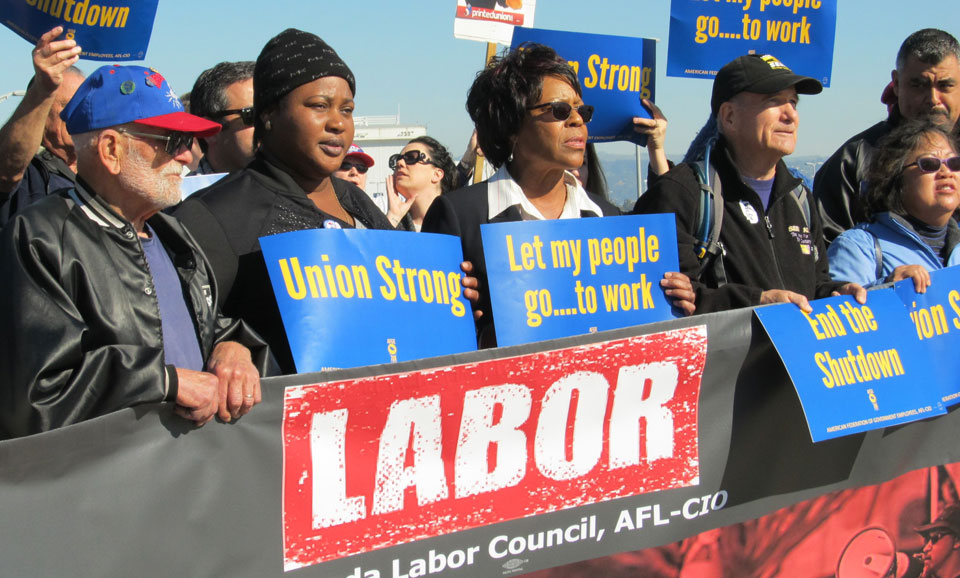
point(498, 99)
point(209, 95)
point(885, 169)
point(929, 46)
point(442, 159)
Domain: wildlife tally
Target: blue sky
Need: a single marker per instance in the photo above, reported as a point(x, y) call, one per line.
point(405, 57)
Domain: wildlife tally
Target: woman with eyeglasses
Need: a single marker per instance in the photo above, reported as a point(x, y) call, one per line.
point(303, 104)
point(913, 190)
point(422, 171)
point(531, 124)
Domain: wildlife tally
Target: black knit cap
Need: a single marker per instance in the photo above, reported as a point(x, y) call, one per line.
point(291, 59)
point(759, 73)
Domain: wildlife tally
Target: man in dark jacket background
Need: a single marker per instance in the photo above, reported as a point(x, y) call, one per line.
point(109, 303)
point(925, 85)
point(771, 248)
point(27, 175)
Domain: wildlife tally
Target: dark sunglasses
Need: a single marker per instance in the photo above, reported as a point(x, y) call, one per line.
point(361, 168)
point(410, 158)
point(932, 164)
point(246, 114)
point(934, 537)
point(561, 110)
point(176, 142)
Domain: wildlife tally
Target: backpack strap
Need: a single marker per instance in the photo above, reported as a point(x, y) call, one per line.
point(877, 255)
point(709, 219)
point(800, 196)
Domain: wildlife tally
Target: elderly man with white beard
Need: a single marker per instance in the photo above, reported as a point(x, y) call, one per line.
point(109, 303)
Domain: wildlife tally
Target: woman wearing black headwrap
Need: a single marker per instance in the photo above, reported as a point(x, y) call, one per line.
point(303, 101)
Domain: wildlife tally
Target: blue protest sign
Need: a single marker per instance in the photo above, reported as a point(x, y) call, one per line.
point(350, 298)
point(567, 277)
point(116, 31)
point(706, 35)
point(856, 367)
point(935, 315)
point(615, 72)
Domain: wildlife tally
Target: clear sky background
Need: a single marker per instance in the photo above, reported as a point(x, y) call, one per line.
point(406, 59)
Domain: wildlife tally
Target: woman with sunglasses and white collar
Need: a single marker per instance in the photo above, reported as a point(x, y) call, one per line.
point(531, 124)
point(422, 171)
point(913, 191)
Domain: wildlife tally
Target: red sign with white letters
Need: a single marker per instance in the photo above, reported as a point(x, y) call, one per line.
point(375, 462)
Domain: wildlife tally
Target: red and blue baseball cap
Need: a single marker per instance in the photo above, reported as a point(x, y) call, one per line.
point(115, 95)
point(357, 153)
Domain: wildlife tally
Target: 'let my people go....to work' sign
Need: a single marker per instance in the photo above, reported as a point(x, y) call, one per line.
point(705, 35)
point(565, 277)
point(114, 30)
point(350, 298)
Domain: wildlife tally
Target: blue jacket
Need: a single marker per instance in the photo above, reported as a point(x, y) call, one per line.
point(852, 255)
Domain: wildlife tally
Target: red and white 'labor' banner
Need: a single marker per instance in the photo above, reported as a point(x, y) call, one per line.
point(379, 461)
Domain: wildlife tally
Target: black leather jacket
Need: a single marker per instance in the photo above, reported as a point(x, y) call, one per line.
point(81, 323)
point(838, 182)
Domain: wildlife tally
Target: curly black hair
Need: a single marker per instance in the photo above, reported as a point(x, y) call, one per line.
point(498, 99)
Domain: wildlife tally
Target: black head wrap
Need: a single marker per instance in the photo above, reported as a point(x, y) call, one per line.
point(291, 59)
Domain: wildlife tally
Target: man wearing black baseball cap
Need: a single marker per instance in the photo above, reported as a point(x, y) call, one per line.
point(109, 303)
point(941, 544)
point(767, 244)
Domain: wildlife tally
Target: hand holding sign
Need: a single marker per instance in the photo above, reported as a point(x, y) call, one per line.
point(655, 129)
point(51, 58)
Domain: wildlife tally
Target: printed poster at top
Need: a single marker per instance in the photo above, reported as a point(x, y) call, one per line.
point(350, 298)
point(615, 72)
point(564, 277)
point(935, 315)
point(114, 30)
point(492, 20)
point(855, 367)
point(706, 35)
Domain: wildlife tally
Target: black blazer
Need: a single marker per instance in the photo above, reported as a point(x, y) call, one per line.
point(461, 213)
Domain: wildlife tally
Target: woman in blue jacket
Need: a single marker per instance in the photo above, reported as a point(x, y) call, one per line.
point(912, 192)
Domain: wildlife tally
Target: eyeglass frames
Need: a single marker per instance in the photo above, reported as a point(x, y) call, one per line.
point(932, 164)
point(410, 158)
point(934, 537)
point(176, 142)
point(561, 110)
point(246, 114)
point(360, 167)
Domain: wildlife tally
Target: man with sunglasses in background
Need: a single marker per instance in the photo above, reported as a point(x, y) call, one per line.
point(109, 303)
point(941, 544)
point(926, 84)
point(224, 94)
point(770, 246)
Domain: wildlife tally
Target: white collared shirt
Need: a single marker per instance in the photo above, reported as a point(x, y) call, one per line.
point(503, 192)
